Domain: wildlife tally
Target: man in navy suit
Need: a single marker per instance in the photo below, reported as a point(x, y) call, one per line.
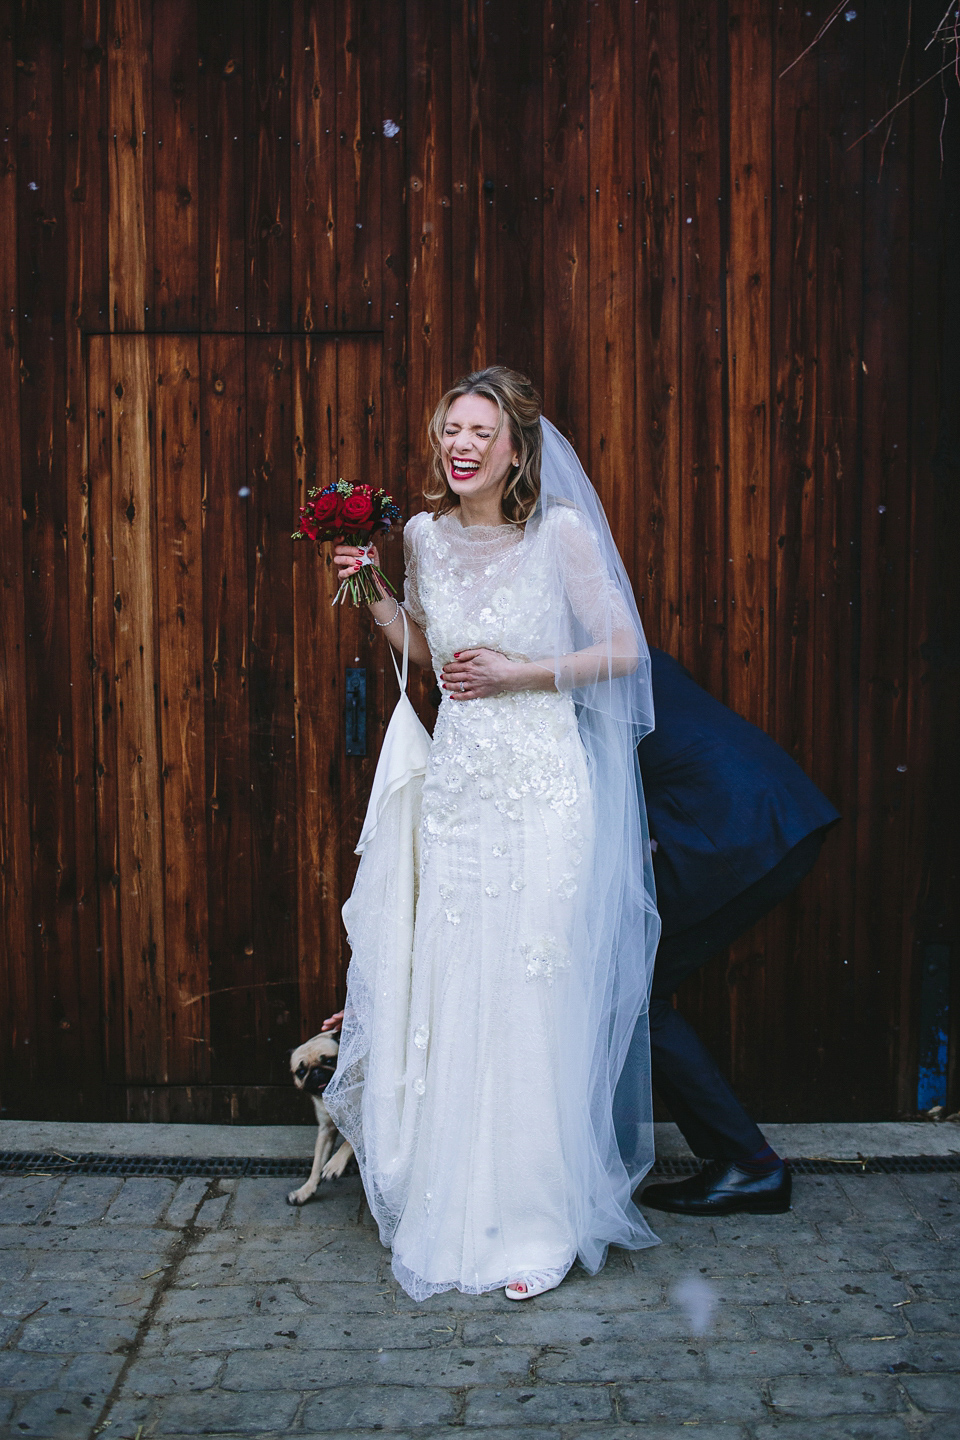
point(737, 825)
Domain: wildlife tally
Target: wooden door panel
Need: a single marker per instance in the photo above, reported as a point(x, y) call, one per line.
point(226, 806)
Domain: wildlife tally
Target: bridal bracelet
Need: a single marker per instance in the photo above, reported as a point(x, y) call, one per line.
point(383, 623)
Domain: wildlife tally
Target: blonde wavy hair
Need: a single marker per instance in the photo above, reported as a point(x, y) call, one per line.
point(519, 407)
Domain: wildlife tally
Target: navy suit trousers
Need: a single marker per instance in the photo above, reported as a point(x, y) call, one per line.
point(711, 1118)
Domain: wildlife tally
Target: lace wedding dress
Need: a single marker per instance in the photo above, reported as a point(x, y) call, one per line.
point(464, 1081)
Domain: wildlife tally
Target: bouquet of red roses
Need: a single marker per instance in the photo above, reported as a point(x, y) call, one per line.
point(351, 515)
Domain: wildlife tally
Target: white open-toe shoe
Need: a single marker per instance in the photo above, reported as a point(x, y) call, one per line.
point(535, 1285)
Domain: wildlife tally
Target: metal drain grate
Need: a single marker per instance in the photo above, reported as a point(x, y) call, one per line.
point(230, 1167)
point(866, 1165)
point(224, 1167)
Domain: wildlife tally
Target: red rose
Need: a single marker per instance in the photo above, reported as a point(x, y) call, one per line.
point(357, 509)
point(325, 508)
point(308, 525)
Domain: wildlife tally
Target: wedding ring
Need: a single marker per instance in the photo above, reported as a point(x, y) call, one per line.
point(462, 687)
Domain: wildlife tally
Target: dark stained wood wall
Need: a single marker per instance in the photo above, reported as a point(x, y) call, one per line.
point(245, 248)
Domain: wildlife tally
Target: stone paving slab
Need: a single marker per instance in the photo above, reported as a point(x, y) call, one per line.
point(145, 1308)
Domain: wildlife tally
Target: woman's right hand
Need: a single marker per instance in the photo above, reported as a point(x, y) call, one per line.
point(347, 559)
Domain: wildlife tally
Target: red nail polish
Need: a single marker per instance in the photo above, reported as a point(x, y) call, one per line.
point(456, 654)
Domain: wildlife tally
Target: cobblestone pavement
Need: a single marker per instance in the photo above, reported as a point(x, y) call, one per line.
point(142, 1307)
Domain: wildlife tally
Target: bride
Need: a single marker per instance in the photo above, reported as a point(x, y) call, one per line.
point(503, 924)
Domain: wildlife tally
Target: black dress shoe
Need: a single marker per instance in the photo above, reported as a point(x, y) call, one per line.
point(724, 1188)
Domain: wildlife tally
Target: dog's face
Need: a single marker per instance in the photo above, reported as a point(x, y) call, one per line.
point(313, 1063)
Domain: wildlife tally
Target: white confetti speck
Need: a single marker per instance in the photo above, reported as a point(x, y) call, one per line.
point(390, 128)
point(698, 1300)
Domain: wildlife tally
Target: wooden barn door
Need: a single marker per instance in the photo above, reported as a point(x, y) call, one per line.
point(226, 807)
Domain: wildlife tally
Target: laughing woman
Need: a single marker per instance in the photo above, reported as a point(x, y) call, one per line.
point(493, 992)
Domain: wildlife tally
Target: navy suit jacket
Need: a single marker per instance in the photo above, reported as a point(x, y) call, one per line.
point(725, 803)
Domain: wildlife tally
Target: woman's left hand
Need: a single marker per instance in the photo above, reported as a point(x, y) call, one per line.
point(475, 674)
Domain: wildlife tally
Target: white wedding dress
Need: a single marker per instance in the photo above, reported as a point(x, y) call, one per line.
point(464, 1074)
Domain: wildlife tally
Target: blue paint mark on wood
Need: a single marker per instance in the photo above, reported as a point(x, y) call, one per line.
point(356, 708)
point(934, 1027)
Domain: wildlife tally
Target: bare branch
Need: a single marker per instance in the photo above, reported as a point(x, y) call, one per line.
point(835, 14)
point(873, 127)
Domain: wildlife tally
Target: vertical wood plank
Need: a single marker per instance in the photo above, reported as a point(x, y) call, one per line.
point(273, 795)
point(85, 121)
point(226, 507)
point(138, 783)
point(792, 957)
point(313, 166)
point(657, 267)
point(566, 359)
point(703, 400)
point(753, 973)
point(267, 163)
point(702, 449)
point(42, 342)
point(930, 907)
point(393, 265)
point(180, 674)
point(359, 137)
point(749, 277)
point(793, 309)
point(836, 616)
point(611, 230)
point(129, 40)
point(429, 248)
point(474, 193)
point(318, 696)
point(515, 52)
point(18, 1021)
point(176, 241)
point(884, 538)
point(105, 702)
point(221, 171)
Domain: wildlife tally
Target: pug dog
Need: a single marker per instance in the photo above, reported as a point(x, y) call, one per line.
point(312, 1065)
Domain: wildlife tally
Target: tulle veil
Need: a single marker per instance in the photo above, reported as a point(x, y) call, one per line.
point(617, 928)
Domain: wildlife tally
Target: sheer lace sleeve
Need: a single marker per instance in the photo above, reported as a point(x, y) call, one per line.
point(411, 592)
point(593, 596)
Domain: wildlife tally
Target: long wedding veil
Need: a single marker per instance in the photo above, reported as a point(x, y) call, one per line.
point(617, 927)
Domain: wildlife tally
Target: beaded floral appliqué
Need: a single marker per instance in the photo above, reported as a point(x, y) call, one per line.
point(545, 959)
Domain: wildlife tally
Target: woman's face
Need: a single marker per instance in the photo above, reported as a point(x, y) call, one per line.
point(476, 466)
